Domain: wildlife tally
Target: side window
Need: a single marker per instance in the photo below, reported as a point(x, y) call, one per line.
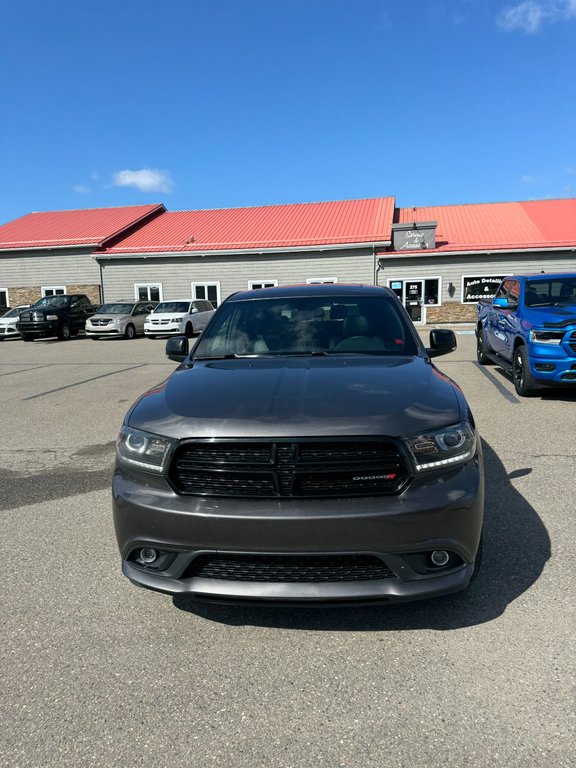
point(504, 291)
point(514, 292)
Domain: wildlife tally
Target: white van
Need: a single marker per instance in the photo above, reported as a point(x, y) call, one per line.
point(178, 317)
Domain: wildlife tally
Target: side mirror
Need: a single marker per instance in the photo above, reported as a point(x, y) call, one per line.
point(500, 302)
point(442, 341)
point(177, 348)
point(193, 310)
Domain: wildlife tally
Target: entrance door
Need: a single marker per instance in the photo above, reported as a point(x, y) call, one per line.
point(414, 298)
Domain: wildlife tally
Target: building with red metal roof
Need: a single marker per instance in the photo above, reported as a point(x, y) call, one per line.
point(431, 256)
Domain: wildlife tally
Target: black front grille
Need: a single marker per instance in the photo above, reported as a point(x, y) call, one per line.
point(289, 568)
point(289, 468)
point(572, 341)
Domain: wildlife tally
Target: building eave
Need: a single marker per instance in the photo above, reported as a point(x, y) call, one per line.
point(237, 251)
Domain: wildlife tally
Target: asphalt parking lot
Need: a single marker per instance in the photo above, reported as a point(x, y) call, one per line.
point(96, 672)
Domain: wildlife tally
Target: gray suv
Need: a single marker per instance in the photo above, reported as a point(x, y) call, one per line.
point(305, 450)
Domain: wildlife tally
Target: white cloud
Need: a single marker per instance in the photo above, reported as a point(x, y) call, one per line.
point(80, 189)
point(145, 180)
point(530, 15)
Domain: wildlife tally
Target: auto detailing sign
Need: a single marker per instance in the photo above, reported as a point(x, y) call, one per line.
point(476, 288)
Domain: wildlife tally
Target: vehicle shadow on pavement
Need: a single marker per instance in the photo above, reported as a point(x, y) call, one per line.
point(516, 548)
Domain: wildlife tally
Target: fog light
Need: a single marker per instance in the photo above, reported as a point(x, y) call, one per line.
point(439, 557)
point(147, 555)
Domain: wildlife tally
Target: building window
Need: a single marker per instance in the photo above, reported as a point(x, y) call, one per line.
point(4, 297)
point(148, 291)
point(53, 290)
point(321, 280)
point(424, 290)
point(210, 291)
point(254, 285)
point(476, 287)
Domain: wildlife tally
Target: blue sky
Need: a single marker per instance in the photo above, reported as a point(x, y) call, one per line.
point(223, 103)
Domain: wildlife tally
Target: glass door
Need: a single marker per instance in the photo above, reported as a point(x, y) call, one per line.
point(414, 299)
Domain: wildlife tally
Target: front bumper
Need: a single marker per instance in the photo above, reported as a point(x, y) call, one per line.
point(8, 332)
point(552, 364)
point(39, 328)
point(439, 511)
point(104, 331)
point(170, 329)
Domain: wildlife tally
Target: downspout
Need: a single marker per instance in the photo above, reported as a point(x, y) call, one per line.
point(101, 284)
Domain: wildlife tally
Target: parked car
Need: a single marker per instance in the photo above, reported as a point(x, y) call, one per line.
point(120, 318)
point(181, 316)
point(529, 329)
point(8, 322)
point(61, 315)
point(306, 449)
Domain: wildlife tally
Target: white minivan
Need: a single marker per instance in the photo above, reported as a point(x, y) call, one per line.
point(178, 317)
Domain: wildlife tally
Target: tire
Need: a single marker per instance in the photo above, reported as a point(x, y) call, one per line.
point(524, 383)
point(130, 331)
point(189, 331)
point(64, 332)
point(481, 355)
point(26, 337)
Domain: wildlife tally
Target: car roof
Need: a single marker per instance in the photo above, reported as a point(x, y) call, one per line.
point(332, 290)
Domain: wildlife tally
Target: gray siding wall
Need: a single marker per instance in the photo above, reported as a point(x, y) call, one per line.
point(48, 268)
point(233, 272)
point(452, 268)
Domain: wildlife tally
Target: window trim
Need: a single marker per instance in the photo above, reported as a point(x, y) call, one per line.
point(405, 280)
point(205, 284)
point(472, 302)
point(137, 286)
point(269, 284)
point(5, 290)
point(321, 280)
point(44, 288)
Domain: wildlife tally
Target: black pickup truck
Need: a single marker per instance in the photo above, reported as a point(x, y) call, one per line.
point(62, 316)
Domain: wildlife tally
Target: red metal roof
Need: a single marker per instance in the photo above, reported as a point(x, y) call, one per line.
point(532, 224)
point(50, 229)
point(266, 227)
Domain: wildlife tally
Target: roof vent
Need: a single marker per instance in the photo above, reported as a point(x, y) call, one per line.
point(414, 236)
point(190, 240)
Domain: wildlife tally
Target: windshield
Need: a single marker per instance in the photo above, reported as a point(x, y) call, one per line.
point(115, 309)
point(14, 312)
point(53, 301)
point(172, 306)
point(557, 290)
point(307, 325)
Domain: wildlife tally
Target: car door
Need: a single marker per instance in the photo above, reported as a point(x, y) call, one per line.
point(140, 313)
point(510, 322)
point(497, 322)
point(199, 315)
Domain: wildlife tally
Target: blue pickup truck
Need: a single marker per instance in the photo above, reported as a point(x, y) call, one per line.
point(529, 329)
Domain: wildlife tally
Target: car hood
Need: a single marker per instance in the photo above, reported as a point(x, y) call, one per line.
point(562, 315)
point(293, 397)
point(109, 316)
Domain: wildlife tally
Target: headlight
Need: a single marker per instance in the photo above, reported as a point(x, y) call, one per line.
point(176, 319)
point(142, 449)
point(51, 317)
point(547, 337)
point(442, 447)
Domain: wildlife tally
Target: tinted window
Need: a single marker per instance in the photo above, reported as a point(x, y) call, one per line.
point(173, 306)
point(115, 309)
point(305, 325)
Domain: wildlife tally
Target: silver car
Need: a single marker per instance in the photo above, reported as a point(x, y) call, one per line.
point(123, 319)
